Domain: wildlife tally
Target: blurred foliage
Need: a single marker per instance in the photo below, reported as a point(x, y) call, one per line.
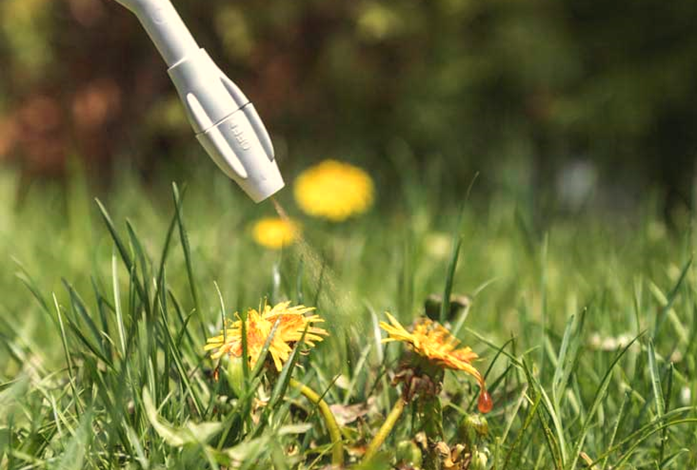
point(507, 87)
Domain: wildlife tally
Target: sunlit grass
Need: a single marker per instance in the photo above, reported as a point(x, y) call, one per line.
point(585, 328)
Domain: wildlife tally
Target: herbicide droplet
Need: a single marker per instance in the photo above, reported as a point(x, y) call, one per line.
point(485, 403)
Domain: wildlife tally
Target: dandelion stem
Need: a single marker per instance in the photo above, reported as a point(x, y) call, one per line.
point(385, 430)
point(329, 420)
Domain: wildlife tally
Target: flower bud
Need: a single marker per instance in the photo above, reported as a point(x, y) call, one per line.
point(479, 460)
point(409, 453)
point(474, 425)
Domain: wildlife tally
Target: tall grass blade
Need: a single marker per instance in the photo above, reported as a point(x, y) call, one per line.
point(282, 383)
point(597, 401)
point(532, 412)
point(179, 364)
point(568, 354)
point(616, 427)
point(68, 359)
point(672, 296)
point(30, 284)
point(120, 325)
point(120, 246)
point(640, 440)
point(655, 380)
point(557, 446)
point(184, 238)
point(144, 263)
point(450, 277)
point(669, 393)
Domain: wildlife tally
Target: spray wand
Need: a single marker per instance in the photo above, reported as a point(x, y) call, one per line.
point(224, 120)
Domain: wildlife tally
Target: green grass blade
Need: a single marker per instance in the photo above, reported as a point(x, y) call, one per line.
point(450, 277)
point(532, 412)
point(282, 383)
point(102, 307)
point(597, 401)
point(143, 263)
point(669, 393)
point(166, 245)
point(68, 360)
point(178, 363)
point(656, 424)
point(265, 351)
point(184, 238)
point(616, 427)
point(120, 245)
point(655, 380)
point(557, 445)
point(245, 347)
point(672, 296)
point(94, 349)
point(640, 440)
point(668, 461)
point(78, 306)
point(287, 372)
point(568, 354)
point(30, 283)
point(120, 325)
point(184, 330)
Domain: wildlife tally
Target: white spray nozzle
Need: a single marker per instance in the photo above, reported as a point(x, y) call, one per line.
point(225, 121)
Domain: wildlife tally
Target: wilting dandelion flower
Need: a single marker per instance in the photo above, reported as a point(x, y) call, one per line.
point(435, 349)
point(292, 323)
point(274, 232)
point(334, 190)
point(434, 343)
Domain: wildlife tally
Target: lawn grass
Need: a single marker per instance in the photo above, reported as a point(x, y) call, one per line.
point(586, 328)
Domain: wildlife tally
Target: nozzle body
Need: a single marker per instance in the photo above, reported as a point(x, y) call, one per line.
point(224, 120)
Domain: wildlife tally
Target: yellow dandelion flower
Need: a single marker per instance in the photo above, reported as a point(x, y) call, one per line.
point(274, 232)
point(435, 343)
point(334, 190)
point(292, 324)
point(432, 341)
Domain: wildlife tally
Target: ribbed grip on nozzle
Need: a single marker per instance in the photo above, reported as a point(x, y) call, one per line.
point(227, 125)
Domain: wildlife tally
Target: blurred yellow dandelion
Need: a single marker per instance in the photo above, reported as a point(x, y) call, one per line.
point(435, 343)
point(274, 232)
point(292, 324)
point(334, 190)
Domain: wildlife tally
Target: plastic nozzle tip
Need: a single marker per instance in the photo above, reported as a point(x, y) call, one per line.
point(262, 190)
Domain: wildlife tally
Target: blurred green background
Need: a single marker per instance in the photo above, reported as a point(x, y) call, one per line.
point(562, 103)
